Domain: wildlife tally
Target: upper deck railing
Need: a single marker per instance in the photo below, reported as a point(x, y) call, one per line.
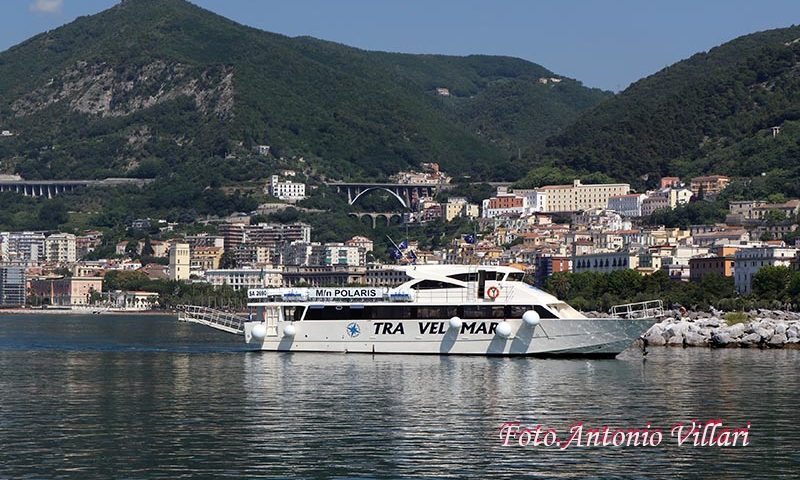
point(648, 309)
point(358, 295)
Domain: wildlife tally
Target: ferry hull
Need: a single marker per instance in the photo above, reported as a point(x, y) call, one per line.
point(585, 337)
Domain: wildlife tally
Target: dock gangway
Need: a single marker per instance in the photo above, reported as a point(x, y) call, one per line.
point(225, 321)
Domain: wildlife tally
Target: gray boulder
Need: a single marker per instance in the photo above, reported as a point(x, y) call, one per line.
point(765, 333)
point(750, 340)
point(675, 340)
point(696, 340)
point(655, 336)
point(777, 340)
point(736, 330)
point(721, 339)
point(780, 329)
point(793, 332)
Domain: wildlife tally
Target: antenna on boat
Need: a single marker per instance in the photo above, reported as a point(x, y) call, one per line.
point(393, 244)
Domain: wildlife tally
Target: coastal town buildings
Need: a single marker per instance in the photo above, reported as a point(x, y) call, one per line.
point(286, 189)
point(457, 207)
point(244, 278)
point(547, 230)
point(605, 262)
point(179, 261)
point(628, 205)
point(748, 261)
point(205, 257)
point(720, 261)
point(60, 248)
point(133, 300)
point(12, 286)
point(576, 197)
point(709, 186)
point(504, 204)
point(67, 291)
point(27, 247)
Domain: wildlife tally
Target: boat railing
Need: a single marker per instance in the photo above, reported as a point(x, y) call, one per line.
point(225, 321)
point(648, 309)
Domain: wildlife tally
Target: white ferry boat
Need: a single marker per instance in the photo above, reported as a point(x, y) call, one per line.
point(439, 309)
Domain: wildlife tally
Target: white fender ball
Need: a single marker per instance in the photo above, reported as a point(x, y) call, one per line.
point(289, 330)
point(455, 323)
point(531, 318)
point(259, 331)
point(503, 330)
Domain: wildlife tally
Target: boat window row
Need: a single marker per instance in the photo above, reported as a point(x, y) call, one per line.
point(488, 275)
point(433, 285)
point(406, 312)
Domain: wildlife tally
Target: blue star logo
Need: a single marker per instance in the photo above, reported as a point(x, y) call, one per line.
point(353, 330)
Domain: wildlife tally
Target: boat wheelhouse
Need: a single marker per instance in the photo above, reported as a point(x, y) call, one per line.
point(440, 309)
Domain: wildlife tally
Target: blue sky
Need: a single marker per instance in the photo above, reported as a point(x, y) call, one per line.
point(606, 44)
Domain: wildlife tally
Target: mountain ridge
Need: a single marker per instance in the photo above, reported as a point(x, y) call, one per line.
point(78, 92)
point(702, 115)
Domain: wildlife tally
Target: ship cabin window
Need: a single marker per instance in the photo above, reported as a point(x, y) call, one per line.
point(515, 277)
point(433, 285)
point(465, 277)
point(483, 311)
point(330, 312)
point(436, 312)
point(516, 311)
point(292, 314)
point(492, 275)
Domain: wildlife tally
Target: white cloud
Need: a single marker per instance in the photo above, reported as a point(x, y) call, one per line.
point(47, 6)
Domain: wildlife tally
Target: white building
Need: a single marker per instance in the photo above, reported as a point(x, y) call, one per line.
point(504, 204)
point(364, 244)
point(134, 300)
point(536, 199)
point(579, 197)
point(605, 262)
point(655, 202)
point(679, 196)
point(341, 254)
point(60, 248)
point(244, 278)
point(287, 189)
point(748, 261)
point(25, 246)
point(628, 205)
point(459, 207)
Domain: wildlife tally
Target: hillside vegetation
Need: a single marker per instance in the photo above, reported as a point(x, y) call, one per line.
point(153, 86)
point(711, 113)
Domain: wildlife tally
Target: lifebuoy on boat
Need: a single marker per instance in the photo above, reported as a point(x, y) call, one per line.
point(493, 292)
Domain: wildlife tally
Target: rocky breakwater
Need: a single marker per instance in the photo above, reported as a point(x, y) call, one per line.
point(755, 329)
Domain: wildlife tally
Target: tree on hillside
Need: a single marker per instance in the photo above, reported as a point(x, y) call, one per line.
point(147, 248)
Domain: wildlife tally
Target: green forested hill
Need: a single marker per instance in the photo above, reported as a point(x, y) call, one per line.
point(711, 113)
point(153, 86)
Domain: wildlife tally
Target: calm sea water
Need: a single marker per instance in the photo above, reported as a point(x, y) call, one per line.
point(146, 397)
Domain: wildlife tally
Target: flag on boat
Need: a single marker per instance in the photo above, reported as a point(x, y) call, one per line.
point(470, 238)
point(403, 245)
point(412, 256)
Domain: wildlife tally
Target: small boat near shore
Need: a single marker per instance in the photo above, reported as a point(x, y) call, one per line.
point(438, 309)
